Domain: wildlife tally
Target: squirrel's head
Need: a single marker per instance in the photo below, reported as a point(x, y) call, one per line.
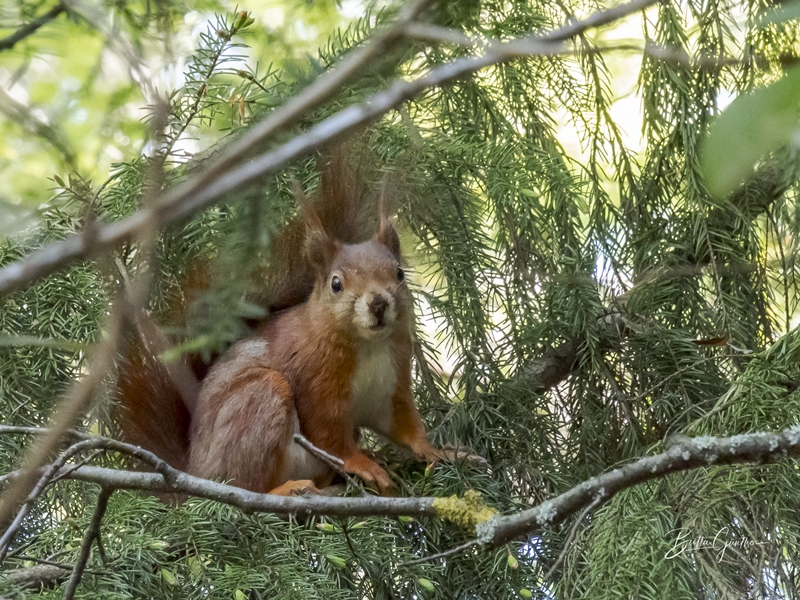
point(361, 285)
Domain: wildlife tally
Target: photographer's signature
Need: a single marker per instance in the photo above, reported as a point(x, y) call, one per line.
point(718, 544)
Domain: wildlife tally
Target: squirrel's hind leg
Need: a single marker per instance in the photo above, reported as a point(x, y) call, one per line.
point(242, 430)
point(295, 487)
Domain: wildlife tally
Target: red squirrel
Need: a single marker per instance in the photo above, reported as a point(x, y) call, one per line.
point(336, 362)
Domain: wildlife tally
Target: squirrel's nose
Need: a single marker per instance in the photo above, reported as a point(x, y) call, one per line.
point(378, 306)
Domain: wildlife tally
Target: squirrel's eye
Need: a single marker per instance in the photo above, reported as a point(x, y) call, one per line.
point(336, 285)
point(400, 274)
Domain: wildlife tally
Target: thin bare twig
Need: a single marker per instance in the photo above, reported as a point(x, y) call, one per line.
point(72, 433)
point(92, 534)
point(52, 134)
point(38, 488)
point(84, 461)
point(222, 177)
point(672, 54)
point(435, 33)
point(26, 30)
point(41, 561)
point(438, 555)
point(57, 470)
point(98, 442)
point(118, 42)
point(571, 536)
point(334, 462)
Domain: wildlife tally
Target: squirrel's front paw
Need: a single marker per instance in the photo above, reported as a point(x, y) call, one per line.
point(372, 474)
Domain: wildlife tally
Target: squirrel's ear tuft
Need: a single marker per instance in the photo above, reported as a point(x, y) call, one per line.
point(386, 234)
point(320, 248)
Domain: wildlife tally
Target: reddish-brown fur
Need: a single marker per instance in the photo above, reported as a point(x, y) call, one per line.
point(326, 367)
point(300, 369)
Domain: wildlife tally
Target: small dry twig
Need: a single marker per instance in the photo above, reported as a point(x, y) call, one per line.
point(446, 553)
point(334, 462)
point(92, 534)
point(571, 536)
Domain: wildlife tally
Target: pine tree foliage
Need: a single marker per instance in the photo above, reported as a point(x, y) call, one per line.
point(683, 307)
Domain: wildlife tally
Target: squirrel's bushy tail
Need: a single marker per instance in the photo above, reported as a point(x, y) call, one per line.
point(152, 412)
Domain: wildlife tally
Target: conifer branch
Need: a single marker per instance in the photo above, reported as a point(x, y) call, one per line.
point(55, 472)
point(57, 469)
point(553, 367)
point(70, 408)
point(44, 479)
point(683, 454)
point(222, 177)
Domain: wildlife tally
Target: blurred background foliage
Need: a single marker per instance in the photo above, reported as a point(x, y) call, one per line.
point(544, 203)
point(75, 75)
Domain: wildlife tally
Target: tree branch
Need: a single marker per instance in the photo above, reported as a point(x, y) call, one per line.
point(50, 474)
point(39, 576)
point(41, 561)
point(432, 557)
point(672, 54)
point(55, 470)
point(11, 429)
point(552, 368)
point(685, 455)
point(366, 506)
point(595, 503)
point(221, 177)
point(26, 30)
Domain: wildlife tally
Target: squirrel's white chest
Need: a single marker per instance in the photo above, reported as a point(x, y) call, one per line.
point(373, 385)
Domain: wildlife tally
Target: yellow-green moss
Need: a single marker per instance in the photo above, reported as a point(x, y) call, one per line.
point(466, 512)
